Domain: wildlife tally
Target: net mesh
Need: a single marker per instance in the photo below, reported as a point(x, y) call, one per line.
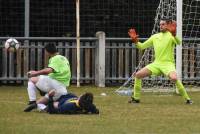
point(57, 18)
point(191, 45)
point(11, 18)
point(191, 48)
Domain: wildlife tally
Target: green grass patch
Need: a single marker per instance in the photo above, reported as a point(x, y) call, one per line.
point(156, 114)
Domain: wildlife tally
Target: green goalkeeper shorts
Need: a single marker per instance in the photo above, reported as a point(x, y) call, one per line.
point(161, 68)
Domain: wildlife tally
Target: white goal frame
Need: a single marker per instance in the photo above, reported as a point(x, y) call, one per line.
point(179, 18)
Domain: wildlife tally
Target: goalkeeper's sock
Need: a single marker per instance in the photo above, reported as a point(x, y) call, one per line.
point(182, 90)
point(137, 89)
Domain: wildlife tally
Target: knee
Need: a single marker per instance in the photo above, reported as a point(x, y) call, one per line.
point(34, 80)
point(138, 75)
point(173, 78)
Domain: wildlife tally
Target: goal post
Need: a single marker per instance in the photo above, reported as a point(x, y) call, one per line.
point(179, 4)
point(179, 34)
point(187, 15)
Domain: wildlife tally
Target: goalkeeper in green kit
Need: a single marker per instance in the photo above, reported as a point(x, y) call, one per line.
point(163, 43)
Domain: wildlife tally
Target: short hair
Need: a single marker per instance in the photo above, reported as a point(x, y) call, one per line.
point(86, 100)
point(50, 48)
point(167, 19)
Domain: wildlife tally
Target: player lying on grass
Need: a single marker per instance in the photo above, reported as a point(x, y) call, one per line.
point(68, 104)
point(71, 104)
point(56, 76)
point(163, 44)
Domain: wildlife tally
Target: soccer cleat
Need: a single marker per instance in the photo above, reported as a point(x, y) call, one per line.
point(31, 102)
point(189, 102)
point(30, 107)
point(133, 100)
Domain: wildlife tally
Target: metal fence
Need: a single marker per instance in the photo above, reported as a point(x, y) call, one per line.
point(120, 58)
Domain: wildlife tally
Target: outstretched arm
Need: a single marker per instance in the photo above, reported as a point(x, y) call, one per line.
point(132, 33)
point(146, 44)
point(40, 72)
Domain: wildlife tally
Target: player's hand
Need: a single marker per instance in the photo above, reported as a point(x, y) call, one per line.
point(132, 33)
point(171, 27)
point(51, 93)
point(31, 74)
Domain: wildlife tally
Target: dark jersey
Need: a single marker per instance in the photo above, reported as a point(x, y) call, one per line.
point(68, 104)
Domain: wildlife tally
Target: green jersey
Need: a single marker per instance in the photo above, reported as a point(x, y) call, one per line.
point(163, 44)
point(61, 69)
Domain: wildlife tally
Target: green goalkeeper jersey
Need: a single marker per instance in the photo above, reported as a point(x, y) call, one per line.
point(61, 68)
point(163, 44)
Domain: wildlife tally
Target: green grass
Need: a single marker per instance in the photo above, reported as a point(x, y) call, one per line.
point(156, 114)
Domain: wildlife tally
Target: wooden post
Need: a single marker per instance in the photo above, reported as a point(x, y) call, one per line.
point(87, 62)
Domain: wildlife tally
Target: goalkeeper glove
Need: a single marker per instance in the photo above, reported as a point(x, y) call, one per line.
point(132, 33)
point(171, 27)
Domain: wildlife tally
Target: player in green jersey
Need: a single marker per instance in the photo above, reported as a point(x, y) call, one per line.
point(163, 44)
point(56, 76)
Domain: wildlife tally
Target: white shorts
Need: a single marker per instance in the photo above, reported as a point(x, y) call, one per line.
point(46, 84)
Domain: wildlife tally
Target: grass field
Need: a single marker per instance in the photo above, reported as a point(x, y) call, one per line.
point(156, 114)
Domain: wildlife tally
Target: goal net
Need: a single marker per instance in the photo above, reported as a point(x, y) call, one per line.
point(190, 48)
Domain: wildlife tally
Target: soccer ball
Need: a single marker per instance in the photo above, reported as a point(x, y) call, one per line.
point(11, 45)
